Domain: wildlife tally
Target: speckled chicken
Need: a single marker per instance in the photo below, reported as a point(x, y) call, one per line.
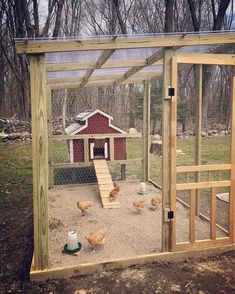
point(84, 206)
point(114, 193)
point(98, 238)
point(156, 202)
point(139, 205)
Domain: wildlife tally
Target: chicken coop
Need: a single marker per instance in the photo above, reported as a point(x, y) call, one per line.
point(153, 115)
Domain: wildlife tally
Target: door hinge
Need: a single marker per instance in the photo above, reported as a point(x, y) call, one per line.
point(168, 215)
point(170, 92)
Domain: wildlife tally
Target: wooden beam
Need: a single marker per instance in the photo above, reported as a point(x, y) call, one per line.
point(172, 147)
point(202, 185)
point(96, 136)
point(166, 152)
point(149, 61)
point(101, 60)
point(213, 214)
point(40, 159)
point(179, 39)
point(203, 244)
point(82, 164)
point(146, 129)
point(232, 188)
point(201, 168)
point(103, 77)
point(68, 66)
point(108, 83)
point(205, 58)
point(111, 148)
point(94, 268)
point(50, 143)
point(192, 216)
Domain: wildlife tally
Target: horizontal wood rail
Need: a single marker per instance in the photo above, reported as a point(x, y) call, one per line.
point(96, 136)
point(200, 244)
point(205, 58)
point(83, 164)
point(181, 39)
point(201, 168)
point(202, 185)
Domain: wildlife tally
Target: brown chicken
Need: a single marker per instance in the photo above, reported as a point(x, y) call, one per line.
point(98, 238)
point(114, 193)
point(156, 202)
point(139, 205)
point(84, 206)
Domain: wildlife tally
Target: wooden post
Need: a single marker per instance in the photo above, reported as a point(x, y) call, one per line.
point(123, 172)
point(111, 148)
point(232, 188)
point(86, 150)
point(50, 141)
point(166, 150)
point(40, 159)
point(64, 108)
point(146, 130)
point(198, 130)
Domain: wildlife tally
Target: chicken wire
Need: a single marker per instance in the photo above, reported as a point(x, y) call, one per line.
point(215, 146)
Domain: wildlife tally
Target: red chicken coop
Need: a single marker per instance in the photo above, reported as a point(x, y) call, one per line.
point(95, 123)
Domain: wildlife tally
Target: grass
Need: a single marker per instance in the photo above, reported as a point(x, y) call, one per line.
point(16, 163)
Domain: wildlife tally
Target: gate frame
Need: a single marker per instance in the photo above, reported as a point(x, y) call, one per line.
point(201, 59)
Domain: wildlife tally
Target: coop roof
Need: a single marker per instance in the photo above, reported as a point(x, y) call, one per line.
point(81, 121)
point(78, 62)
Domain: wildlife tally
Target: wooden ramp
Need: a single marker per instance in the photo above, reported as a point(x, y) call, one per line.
point(105, 183)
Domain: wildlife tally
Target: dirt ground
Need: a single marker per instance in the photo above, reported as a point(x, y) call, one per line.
point(211, 275)
point(129, 233)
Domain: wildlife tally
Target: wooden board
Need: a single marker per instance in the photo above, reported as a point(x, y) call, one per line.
point(105, 183)
point(92, 268)
point(181, 39)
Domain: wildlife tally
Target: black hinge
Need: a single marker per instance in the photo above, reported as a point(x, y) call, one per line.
point(170, 214)
point(171, 92)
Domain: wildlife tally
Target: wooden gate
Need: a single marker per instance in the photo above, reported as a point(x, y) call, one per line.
point(193, 186)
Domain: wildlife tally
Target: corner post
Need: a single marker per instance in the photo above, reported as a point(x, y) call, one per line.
point(50, 141)
point(146, 129)
point(198, 131)
point(232, 188)
point(166, 151)
point(40, 159)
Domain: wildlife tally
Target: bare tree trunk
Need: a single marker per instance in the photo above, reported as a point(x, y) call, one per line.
point(57, 27)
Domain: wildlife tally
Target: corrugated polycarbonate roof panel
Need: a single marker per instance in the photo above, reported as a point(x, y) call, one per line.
point(73, 56)
point(66, 74)
point(124, 54)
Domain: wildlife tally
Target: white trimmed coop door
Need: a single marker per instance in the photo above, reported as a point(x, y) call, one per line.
point(98, 150)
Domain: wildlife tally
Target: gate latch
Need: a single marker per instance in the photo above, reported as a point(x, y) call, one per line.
point(168, 215)
point(170, 92)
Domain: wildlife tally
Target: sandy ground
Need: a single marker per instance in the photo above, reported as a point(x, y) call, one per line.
point(129, 234)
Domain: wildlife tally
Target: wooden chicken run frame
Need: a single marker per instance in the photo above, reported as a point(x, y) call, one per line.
point(42, 132)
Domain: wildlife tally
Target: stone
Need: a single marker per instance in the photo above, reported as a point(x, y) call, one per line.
point(132, 131)
point(203, 134)
point(156, 137)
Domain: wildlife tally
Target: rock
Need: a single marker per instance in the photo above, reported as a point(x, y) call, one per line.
point(214, 131)
point(132, 131)
point(210, 133)
point(156, 137)
point(3, 135)
point(14, 136)
point(203, 134)
point(215, 135)
point(25, 135)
